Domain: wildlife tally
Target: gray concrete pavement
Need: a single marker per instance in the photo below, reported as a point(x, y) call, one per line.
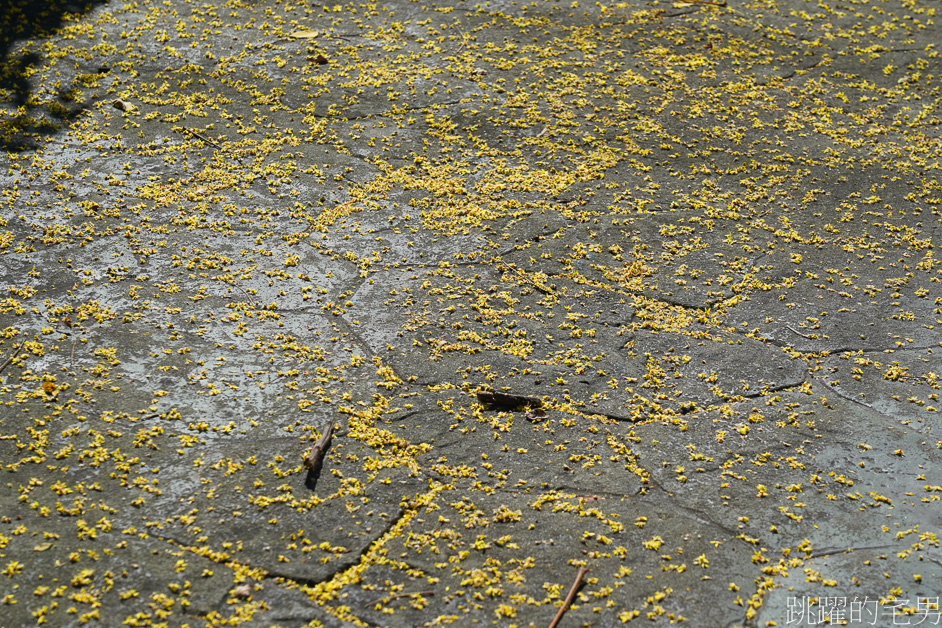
point(705, 237)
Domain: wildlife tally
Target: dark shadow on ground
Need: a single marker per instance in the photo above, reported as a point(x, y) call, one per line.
point(25, 120)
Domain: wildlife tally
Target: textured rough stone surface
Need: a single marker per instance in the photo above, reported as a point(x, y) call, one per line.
point(704, 237)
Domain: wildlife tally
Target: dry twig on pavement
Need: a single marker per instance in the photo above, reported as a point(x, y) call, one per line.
point(10, 359)
point(315, 457)
point(572, 593)
point(202, 137)
point(392, 596)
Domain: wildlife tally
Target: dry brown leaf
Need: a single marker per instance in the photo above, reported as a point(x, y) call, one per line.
point(242, 591)
point(304, 34)
point(51, 390)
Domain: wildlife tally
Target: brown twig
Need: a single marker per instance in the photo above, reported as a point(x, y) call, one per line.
point(721, 3)
point(315, 457)
point(464, 39)
point(795, 331)
point(523, 275)
point(10, 359)
point(246, 292)
point(392, 596)
point(572, 593)
point(202, 137)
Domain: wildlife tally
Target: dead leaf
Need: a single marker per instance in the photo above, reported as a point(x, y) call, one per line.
point(242, 591)
point(536, 414)
point(51, 390)
point(320, 60)
point(122, 105)
point(304, 34)
point(690, 3)
point(42, 547)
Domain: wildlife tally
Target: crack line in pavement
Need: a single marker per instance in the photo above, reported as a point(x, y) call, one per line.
point(345, 564)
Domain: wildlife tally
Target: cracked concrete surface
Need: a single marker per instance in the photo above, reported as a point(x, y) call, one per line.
point(703, 236)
